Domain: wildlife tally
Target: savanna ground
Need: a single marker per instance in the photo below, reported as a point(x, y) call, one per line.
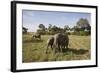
point(34, 49)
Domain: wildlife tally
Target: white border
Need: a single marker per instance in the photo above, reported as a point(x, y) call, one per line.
point(37, 65)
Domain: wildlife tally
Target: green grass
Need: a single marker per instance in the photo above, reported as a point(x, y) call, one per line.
point(34, 49)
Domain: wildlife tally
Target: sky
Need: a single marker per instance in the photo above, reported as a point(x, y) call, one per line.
point(32, 18)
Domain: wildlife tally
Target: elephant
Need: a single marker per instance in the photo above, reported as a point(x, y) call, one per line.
point(50, 42)
point(36, 35)
point(61, 40)
point(58, 42)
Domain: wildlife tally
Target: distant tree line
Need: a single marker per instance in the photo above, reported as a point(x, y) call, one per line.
point(82, 27)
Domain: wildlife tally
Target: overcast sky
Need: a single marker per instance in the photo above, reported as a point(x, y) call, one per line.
point(32, 18)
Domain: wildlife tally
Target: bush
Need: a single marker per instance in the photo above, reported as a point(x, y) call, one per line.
point(41, 32)
point(84, 33)
point(75, 33)
point(69, 33)
point(81, 33)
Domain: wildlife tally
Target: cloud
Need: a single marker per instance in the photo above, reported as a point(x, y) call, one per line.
point(28, 13)
point(31, 28)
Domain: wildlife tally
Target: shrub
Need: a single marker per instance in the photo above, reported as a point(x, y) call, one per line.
point(75, 33)
point(69, 33)
point(84, 33)
point(41, 32)
point(81, 33)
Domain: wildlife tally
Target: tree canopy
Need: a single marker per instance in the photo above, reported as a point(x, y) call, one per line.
point(83, 24)
point(42, 27)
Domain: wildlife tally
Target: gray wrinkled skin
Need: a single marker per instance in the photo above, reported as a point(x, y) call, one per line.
point(61, 41)
point(58, 41)
point(50, 42)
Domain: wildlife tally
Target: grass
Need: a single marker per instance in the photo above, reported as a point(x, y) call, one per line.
point(34, 49)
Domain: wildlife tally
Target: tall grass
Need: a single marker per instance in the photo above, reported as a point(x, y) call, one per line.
point(34, 49)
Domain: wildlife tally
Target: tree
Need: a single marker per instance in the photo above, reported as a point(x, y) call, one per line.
point(42, 27)
point(54, 28)
point(57, 29)
point(66, 27)
point(75, 28)
point(24, 30)
point(50, 27)
point(83, 24)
